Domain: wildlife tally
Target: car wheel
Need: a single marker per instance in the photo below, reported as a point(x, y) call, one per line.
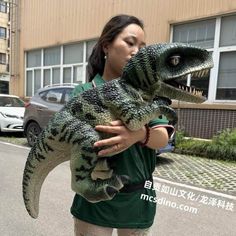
point(32, 132)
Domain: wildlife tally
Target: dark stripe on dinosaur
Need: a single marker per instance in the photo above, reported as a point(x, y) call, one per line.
point(70, 137)
point(39, 147)
point(89, 117)
point(88, 159)
point(63, 138)
point(49, 148)
point(41, 156)
point(28, 171)
point(77, 107)
point(54, 131)
point(63, 127)
point(87, 149)
point(44, 146)
point(83, 168)
point(78, 177)
point(78, 141)
point(26, 184)
point(27, 177)
point(92, 97)
point(131, 117)
point(30, 165)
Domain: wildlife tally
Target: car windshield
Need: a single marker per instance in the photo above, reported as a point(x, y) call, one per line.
point(11, 102)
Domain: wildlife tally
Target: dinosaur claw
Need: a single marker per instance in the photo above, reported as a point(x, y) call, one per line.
point(111, 191)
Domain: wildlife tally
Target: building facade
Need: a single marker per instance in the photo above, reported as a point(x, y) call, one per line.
point(53, 40)
point(4, 47)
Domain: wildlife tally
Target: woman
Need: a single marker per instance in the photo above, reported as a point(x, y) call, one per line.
point(121, 38)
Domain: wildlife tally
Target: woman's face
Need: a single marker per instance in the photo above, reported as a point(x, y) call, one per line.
point(125, 45)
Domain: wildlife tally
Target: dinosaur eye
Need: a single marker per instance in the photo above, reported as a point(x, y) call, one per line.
point(174, 60)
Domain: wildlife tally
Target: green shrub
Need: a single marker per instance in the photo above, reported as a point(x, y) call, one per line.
point(225, 138)
point(222, 146)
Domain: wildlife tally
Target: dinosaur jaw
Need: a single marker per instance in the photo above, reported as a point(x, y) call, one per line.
point(179, 91)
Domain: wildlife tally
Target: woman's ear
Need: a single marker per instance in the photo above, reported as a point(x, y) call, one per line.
point(105, 48)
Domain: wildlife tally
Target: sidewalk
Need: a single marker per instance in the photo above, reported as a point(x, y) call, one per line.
point(202, 172)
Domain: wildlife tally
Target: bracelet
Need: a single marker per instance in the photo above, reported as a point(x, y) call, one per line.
point(144, 143)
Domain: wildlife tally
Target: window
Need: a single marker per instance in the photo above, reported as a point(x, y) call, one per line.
point(89, 48)
point(228, 31)
point(56, 75)
point(58, 95)
point(67, 75)
point(2, 58)
point(52, 56)
point(46, 77)
point(78, 74)
point(4, 87)
point(3, 32)
point(57, 65)
point(73, 53)
point(3, 7)
point(217, 35)
point(226, 86)
point(33, 59)
point(54, 96)
point(29, 83)
point(197, 33)
point(37, 80)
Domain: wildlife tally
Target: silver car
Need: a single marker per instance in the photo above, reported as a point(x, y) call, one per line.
point(42, 106)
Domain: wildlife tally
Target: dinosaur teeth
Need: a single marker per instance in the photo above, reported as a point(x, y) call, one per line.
point(201, 73)
point(191, 90)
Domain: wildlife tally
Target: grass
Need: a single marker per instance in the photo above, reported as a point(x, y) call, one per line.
point(14, 138)
point(221, 147)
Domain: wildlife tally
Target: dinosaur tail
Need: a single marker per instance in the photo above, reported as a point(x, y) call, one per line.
point(41, 160)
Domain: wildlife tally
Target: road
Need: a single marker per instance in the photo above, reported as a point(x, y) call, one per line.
point(181, 210)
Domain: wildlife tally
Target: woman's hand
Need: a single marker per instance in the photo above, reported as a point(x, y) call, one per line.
point(124, 137)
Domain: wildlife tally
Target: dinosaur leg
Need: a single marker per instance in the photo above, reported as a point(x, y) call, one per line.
point(102, 170)
point(83, 162)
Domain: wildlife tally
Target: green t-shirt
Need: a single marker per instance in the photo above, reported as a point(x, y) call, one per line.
point(125, 210)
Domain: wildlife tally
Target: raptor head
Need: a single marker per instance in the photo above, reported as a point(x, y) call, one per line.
point(160, 68)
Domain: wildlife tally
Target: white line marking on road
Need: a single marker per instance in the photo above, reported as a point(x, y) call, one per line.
point(157, 179)
point(196, 188)
point(14, 145)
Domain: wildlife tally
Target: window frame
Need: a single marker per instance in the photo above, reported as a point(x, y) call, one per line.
point(61, 66)
point(216, 52)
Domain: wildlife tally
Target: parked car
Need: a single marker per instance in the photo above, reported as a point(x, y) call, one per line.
point(12, 110)
point(171, 144)
point(42, 106)
point(169, 147)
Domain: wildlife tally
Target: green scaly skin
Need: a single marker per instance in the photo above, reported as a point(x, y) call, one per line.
point(70, 135)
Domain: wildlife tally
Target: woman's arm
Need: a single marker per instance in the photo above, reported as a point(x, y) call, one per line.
point(124, 138)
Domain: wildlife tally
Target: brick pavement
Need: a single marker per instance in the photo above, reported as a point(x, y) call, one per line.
point(202, 172)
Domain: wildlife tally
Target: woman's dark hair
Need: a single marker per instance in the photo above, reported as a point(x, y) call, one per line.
point(113, 27)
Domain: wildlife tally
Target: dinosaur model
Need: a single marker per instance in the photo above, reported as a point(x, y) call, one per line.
point(154, 71)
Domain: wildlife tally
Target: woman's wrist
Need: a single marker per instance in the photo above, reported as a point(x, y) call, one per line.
point(145, 140)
